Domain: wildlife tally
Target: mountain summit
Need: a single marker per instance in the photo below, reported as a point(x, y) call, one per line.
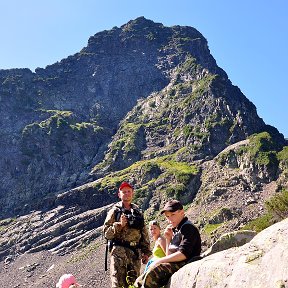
point(56, 124)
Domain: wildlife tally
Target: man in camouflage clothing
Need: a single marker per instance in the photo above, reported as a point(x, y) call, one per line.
point(124, 227)
point(183, 245)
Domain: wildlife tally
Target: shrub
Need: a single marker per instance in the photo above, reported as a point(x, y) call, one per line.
point(260, 223)
point(282, 156)
point(210, 228)
point(278, 205)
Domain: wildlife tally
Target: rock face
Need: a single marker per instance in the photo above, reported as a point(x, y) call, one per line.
point(259, 263)
point(70, 225)
point(56, 123)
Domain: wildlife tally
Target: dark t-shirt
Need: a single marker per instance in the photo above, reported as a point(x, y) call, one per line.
point(186, 239)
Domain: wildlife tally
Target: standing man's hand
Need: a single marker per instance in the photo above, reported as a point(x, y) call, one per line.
point(123, 220)
point(145, 259)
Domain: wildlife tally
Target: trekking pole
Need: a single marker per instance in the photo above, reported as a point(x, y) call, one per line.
point(106, 255)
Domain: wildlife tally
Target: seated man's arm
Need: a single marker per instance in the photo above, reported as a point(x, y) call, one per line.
point(191, 241)
point(174, 257)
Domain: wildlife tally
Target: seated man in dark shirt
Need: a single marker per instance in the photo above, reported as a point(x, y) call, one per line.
point(183, 244)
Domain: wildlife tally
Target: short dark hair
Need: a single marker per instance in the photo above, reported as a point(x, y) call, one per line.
point(172, 206)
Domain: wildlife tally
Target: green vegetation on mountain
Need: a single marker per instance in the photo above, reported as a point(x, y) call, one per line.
point(142, 103)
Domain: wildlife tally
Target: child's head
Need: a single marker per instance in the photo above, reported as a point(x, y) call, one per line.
point(154, 229)
point(67, 281)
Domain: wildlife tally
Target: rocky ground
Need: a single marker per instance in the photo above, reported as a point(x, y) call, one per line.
point(43, 269)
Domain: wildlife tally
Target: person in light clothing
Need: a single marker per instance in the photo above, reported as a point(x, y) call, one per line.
point(160, 242)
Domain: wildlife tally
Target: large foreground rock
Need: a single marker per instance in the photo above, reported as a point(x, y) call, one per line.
point(261, 263)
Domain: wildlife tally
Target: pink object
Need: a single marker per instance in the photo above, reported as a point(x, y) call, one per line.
point(66, 280)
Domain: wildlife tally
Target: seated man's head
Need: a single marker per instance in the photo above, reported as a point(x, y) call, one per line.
point(174, 212)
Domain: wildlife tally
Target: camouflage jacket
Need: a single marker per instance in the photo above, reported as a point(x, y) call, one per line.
point(113, 230)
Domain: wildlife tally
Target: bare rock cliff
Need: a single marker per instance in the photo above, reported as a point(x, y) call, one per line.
point(56, 124)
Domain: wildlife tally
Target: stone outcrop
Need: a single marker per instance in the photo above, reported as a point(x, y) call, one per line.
point(229, 240)
point(59, 230)
point(260, 263)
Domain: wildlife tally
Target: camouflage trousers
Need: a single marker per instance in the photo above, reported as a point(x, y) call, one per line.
point(124, 267)
point(158, 276)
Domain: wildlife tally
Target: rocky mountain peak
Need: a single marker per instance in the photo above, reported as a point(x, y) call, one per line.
point(141, 23)
point(57, 123)
point(143, 103)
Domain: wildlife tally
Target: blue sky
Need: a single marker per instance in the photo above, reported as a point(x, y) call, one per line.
point(248, 38)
